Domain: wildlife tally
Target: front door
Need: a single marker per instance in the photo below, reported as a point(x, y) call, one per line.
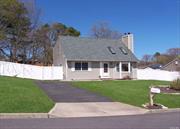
point(105, 69)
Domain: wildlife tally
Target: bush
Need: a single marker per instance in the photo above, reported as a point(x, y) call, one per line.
point(175, 84)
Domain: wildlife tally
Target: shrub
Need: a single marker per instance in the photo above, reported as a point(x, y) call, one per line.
point(175, 84)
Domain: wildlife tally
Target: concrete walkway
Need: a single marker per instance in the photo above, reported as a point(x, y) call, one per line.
point(75, 102)
point(93, 109)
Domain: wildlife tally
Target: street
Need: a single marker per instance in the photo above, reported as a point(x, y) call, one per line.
point(147, 121)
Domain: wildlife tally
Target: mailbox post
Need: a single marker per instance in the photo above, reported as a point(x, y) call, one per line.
point(152, 93)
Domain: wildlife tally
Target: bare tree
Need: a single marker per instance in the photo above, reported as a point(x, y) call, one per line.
point(173, 51)
point(102, 30)
point(147, 58)
point(31, 46)
point(34, 13)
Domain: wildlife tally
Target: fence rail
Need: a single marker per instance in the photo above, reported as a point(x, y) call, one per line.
point(31, 71)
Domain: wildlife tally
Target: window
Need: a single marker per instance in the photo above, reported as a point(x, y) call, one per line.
point(125, 67)
point(111, 50)
point(117, 67)
point(78, 66)
point(105, 68)
point(84, 66)
point(81, 66)
point(123, 51)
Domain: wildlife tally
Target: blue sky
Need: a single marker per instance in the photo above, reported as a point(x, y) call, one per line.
point(154, 23)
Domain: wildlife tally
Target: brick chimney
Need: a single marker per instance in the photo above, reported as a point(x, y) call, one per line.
point(127, 39)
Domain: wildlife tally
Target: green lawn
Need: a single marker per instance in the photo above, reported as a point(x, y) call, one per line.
point(22, 95)
point(134, 92)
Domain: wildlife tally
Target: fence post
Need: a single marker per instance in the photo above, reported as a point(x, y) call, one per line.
point(52, 72)
point(0, 68)
point(3, 68)
point(23, 71)
point(42, 72)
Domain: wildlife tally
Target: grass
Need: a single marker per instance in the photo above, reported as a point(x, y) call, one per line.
point(22, 95)
point(134, 92)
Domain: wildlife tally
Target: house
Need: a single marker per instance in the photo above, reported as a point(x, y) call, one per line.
point(88, 58)
point(174, 65)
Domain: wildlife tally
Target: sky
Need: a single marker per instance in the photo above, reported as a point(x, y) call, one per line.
point(154, 23)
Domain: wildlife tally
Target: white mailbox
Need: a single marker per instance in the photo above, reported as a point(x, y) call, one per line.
point(155, 90)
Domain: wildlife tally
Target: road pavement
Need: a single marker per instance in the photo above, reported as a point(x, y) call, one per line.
point(147, 121)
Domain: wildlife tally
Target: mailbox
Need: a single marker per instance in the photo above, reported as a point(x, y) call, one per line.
point(155, 90)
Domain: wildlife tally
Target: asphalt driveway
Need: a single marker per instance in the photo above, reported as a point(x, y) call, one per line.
point(65, 92)
point(74, 102)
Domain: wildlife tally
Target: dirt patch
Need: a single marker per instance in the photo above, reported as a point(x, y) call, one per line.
point(155, 106)
point(168, 90)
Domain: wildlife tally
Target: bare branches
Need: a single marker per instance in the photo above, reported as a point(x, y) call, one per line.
point(173, 51)
point(34, 13)
point(102, 30)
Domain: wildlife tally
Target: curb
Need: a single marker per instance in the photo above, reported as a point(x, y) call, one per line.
point(50, 113)
point(163, 110)
point(23, 115)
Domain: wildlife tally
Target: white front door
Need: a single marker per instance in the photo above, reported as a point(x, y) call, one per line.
point(105, 69)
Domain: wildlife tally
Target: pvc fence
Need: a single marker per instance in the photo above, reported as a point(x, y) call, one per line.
point(151, 74)
point(31, 71)
point(56, 72)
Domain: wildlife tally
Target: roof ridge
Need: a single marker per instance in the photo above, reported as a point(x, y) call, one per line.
point(89, 38)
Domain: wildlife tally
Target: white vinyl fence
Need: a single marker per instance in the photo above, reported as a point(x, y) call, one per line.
point(151, 74)
point(31, 71)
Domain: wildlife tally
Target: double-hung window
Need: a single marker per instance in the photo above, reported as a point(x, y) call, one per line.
point(78, 66)
point(81, 66)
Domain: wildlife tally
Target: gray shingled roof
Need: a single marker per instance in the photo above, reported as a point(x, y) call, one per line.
point(89, 49)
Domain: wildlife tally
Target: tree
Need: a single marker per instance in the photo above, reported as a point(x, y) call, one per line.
point(147, 58)
point(64, 30)
point(164, 59)
point(21, 36)
point(72, 32)
point(155, 56)
point(173, 52)
point(42, 48)
point(34, 13)
point(102, 30)
point(14, 27)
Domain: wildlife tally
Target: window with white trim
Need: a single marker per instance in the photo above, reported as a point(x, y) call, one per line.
point(125, 68)
point(117, 67)
point(81, 66)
